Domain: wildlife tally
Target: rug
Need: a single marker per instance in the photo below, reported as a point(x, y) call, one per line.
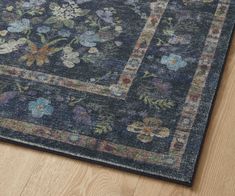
point(125, 83)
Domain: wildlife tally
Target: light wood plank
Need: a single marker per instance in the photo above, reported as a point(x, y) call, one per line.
point(29, 172)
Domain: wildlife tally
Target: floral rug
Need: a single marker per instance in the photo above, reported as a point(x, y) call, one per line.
point(126, 83)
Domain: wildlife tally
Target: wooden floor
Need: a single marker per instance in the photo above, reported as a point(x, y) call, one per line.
point(28, 172)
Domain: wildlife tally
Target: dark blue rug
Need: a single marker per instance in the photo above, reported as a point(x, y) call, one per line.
point(126, 83)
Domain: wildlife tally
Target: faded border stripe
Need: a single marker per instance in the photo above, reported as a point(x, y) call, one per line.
point(126, 79)
point(86, 142)
point(193, 99)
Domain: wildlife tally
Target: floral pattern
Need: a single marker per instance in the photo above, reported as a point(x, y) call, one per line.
point(70, 58)
point(40, 107)
point(81, 115)
point(149, 128)
point(77, 73)
point(7, 96)
point(173, 62)
point(19, 26)
point(45, 35)
point(37, 55)
point(57, 28)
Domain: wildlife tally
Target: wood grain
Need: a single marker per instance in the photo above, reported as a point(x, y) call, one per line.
point(29, 172)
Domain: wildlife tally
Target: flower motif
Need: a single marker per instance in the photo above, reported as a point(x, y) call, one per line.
point(38, 55)
point(183, 39)
point(81, 115)
point(19, 26)
point(7, 96)
point(33, 3)
point(10, 8)
point(70, 58)
point(40, 107)
point(161, 86)
point(64, 33)
point(3, 33)
point(74, 137)
point(89, 39)
point(126, 80)
point(105, 15)
point(43, 29)
point(149, 128)
point(34, 7)
point(116, 90)
point(12, 45)
point(66, 13)
point(93, 50)
point(173, 62)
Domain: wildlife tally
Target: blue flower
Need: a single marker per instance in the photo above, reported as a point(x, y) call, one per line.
point(40, 107)
point(43, 29)
point(89, 39)
point(105, 15)
point(173, 62)
point(33, 3)
point(64, 33)
point(19, 26)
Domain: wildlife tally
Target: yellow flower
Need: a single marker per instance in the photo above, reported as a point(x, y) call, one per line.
point(38, 55)
point(10, 8)
point(93, 50)
point(3, 33)
point(148, 129)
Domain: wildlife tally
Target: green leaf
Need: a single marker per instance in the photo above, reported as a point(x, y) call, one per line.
point(103, 127)
point(168, 32)
point(43, 39)
point(55, 50)
point(53, 42)
point(69, 23)
point(89, 58)
point(36, 20)
point(157, 103)
point(83, 12)
point(19, 12)
point(51, 20)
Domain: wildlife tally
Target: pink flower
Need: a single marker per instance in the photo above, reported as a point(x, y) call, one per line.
point(7, 96)
point(81, 115)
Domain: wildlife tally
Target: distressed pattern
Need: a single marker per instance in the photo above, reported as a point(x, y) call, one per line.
point(129, 83)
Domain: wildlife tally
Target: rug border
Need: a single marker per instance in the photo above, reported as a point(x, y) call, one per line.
point(232, 36)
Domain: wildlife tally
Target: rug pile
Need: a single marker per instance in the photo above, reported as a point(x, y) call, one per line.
point(126, 83)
